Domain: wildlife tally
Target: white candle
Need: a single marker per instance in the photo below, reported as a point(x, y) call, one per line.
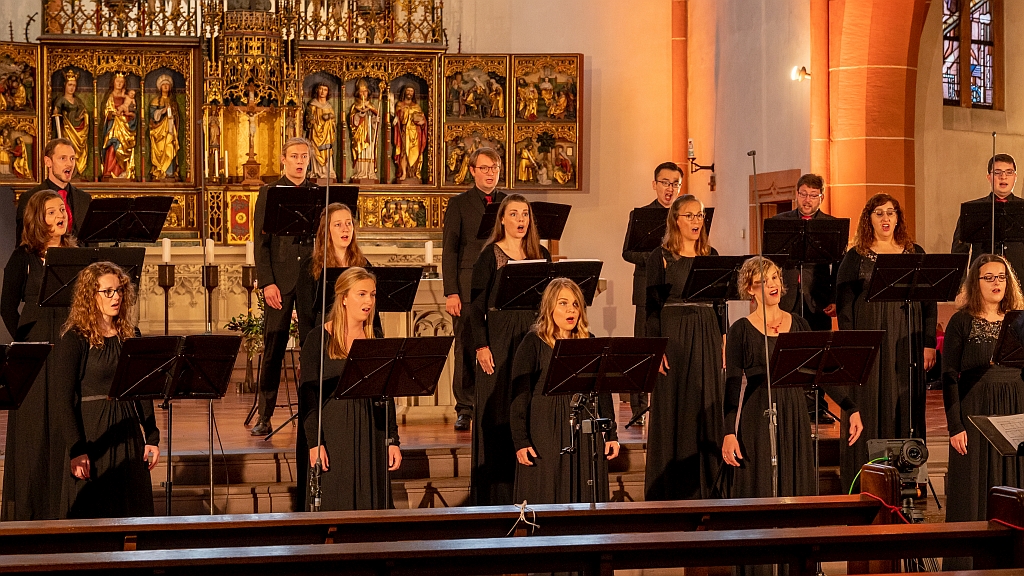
point(216, 164)
point(166, 250)
point(428, 249)
point(227, 174)
point(209, 251)
point(250, 254)
point(206, 165)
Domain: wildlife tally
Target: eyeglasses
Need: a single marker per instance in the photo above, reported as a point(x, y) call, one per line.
point(109, 292)
point(990, 278)
point(803, 196)
point(880, 213)
point(1001, 173)
point(488, 169)
point(670, 184)
point(691, 216)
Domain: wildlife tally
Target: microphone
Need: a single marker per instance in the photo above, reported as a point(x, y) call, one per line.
point(752, 153)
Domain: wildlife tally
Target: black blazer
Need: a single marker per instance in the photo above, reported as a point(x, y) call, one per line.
point(78, 200)
point(460, 245)
point(822, 288)
point(639, 262)
point(278, 258)
point(1013, 251)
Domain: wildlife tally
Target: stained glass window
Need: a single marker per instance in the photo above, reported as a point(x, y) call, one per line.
point(981, 53)
point(951, 51)
point(969, 52)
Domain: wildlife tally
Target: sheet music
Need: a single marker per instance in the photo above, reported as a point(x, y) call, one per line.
point(526, 261)
point(1011, 427)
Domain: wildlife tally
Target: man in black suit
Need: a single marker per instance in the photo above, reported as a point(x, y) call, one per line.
point(59, 158)
point(1002, 176)
point(461, 248)
point(811, 294)
point(668, 179)
point(277, 268)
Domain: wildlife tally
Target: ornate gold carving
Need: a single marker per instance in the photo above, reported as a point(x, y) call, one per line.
point(492, 131)
point(122, 18)
point(498, 65)
point(524, 65)
point(19, 53)
point(215, 213)
point(560, 131)
point(386, 211)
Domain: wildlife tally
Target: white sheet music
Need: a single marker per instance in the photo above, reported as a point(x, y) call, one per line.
point(1011, 427)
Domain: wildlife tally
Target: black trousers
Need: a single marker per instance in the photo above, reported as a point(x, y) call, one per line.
point(819, 322)
point(638, 402)
point(465, 362)
point(275, 343)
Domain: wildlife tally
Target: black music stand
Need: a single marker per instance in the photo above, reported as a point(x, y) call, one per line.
point(646, 228)
point(587, 366)
point(713, 278)
point(296, 210)
point(549, 218)
point(63, 265)
point(910, 278)
point(396, 287)
point(977, 219)
point(1005, 433)
point(125, 219)
point(811, 360)
point(1009, 350)
point(521, 284)
point(20, 363)
point(385, 368)
point(806, 242)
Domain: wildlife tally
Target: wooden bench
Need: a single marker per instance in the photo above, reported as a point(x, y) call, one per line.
point(179, 532)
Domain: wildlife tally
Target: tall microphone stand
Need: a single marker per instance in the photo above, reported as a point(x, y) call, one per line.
point(771, 412)
point(992, 187)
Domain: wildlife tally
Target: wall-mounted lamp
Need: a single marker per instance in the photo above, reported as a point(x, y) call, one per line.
point(694, 166)
point(800, 74)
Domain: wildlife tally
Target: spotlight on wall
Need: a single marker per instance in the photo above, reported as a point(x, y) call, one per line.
point(800, 73)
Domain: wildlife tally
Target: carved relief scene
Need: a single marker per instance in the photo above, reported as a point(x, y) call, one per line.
point(546, 88)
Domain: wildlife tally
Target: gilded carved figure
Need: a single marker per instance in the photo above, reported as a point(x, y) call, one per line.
point(321, 129)
point(364, 125)
point(409, 136)
point(120, 126)
point(71, 120)
point(164, 119)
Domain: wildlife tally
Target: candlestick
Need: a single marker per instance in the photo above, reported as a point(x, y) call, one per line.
point(165, 279)
point(166, 245)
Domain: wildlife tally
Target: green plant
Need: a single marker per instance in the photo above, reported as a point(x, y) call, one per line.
point(250, 325)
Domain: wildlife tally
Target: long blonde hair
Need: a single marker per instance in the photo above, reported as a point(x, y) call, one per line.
point(531, 242)
point(337, 347)
point(353, 253)
point(673, 240)
point(35, 233)
point(545, 326)
point(85, 317)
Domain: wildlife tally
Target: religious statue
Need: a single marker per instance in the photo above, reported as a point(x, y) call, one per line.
point(321, 126)
point(547, 91)
point(120, 125)
point(526, 171)
point(5, 152)
point(387, 216)
point(477, 100)
point(71, 120)
point(458, 162)
point(22, 167)
point(497, 96)
point(418, 214)
point(528, 97)
point(364, 125)
point(457, 96)
point(409, 135)
point(164, 118)
point(13, 95)
point(557, 108)
point(563, 167)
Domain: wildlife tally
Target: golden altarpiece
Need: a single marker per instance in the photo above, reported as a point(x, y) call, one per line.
point(193, 99)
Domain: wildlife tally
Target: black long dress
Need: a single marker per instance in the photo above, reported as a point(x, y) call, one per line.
point(745, 406)
point(109, 431)
point(685, 431)
point(34, 466)
point(972, 386)
point(494, 454)
point(543, 422)
point(883, 399)
point(353, 434)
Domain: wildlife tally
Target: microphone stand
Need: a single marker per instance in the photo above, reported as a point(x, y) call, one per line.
point(992, 183)
point(771, 412)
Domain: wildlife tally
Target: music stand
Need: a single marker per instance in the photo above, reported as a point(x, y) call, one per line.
point(396, 287)
point(585, 367)
point(20, 363)
point(385, 368)
point(1009, 350)
point(63, 265)
point(713, 278)
point(977, 220)
point(646, 228)
point(296, 210)
point(521, 284)
point(549, 218)
point(811, 360)
point(125, 219)
point(1005, 433)
point(812, 241)
point(912, 278)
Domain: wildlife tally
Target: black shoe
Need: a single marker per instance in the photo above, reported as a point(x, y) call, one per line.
point(462, 422)
point(824, 419)
point(640, 421)
point(262, 428)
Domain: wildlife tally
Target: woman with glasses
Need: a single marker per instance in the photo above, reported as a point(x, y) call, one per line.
point(685, 429)
point(886, 397)
point(972, 385)
point(34, 466)
point(496, 335)
point(111, 445)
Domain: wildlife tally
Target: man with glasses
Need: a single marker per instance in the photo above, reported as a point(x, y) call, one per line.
point(812, 293)
point(1002, 176)
point(668, 179)
point(460, 250)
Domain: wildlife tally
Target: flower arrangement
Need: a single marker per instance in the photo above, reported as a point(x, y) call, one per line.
point(250, 325)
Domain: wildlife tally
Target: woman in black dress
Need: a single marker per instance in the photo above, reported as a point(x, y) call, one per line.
point(883, 400)
point(496, 335)
point(354, 450)
point(109, 457)
point(34, 465)
point(746, 447)
point(540, 424)
point(686, 406)
point(972, 385)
